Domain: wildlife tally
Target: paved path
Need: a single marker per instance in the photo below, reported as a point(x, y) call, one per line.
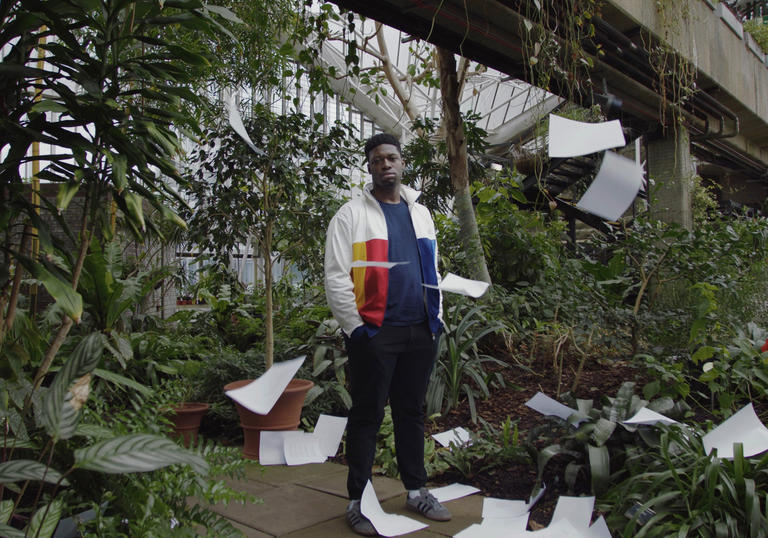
point(310, 500)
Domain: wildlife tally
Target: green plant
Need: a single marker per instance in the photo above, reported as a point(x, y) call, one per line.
point(460, 368)
point(591, 438)
point(680, 490)
point(759, 30)
point(293, 181)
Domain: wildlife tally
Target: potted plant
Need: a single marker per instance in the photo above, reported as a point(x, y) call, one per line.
point(183, 411)
point(277, 192)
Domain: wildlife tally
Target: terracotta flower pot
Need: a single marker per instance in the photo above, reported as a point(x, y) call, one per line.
point(186, 419)
point(285, 415)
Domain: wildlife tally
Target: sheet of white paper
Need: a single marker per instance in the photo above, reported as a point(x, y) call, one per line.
point(388, 265)
point(614, 188)
point(743, 427)
point(260, 395)
point(549, 406)
point(577, 510)
point(559, 529)
point(271, 447)
point(503, 508)
point(463, 286)
point(384, 523)
point(301, 448)
point(459, 436)
point(649, 417)
point(452, 491)
point(237, 123)
point(328, 432)
point(496, 528)
point(598, 529)
point(533, 499)
point(569, 138)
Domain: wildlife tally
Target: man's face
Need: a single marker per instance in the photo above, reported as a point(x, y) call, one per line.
point(386, 166)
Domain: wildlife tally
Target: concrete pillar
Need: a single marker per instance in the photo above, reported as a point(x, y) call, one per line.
point(671, 168)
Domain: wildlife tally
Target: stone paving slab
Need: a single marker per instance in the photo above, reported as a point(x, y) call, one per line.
point(249, 532)
point(336, 484)
point(292, 474)
point(337, 528)
point(285, 509)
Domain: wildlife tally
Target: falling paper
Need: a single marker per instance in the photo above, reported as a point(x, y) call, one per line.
point(260, 395)
point(649, 417)
point(463, 286)
point(271, 451)
point(743, 427)
point(577, 510)
point(615, 187)
point(458, 436)
point(569, 138)
point(237, 124)
point(328, 432)
point(301, 448)
point(387, 265)
point(548, 406)
point(452, 491)
point(503, 508)
point(384, 523)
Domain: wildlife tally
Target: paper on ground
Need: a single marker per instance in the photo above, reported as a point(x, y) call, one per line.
point(743, 427)
point(569, 138)
point(328, 432)
point(452, 491)
point(387, 265)
point(496, 528)
point(615, 187)
point(463, 286)
point(384, 523)
point(598, 529)
point(649, 417)
point(577, 510)
point(503, 508)
point(301, 448)
point(260, 395)
point(237, 123)
point(549, 406)
point(271, 451)
point(459, 436)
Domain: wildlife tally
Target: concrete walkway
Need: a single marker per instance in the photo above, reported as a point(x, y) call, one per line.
point(310, 501)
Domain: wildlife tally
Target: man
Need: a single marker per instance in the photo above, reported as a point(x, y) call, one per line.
point(391, 322)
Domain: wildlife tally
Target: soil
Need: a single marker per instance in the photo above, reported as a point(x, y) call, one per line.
point(599, 377)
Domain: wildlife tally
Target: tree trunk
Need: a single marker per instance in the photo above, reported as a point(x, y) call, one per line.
point(456, 143)
point(269, 331)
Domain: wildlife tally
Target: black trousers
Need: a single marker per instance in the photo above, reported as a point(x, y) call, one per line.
point(394, 364)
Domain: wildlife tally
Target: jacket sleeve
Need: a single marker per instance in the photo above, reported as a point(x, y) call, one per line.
point(339, 288)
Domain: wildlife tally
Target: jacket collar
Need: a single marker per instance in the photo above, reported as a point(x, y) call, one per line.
point(409, 195)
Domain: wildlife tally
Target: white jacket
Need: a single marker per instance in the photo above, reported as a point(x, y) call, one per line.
point(358, 233)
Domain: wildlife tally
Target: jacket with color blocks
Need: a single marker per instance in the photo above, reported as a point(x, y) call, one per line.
point(358, 232)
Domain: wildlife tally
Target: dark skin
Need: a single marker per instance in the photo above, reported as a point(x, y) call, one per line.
point(385, 164)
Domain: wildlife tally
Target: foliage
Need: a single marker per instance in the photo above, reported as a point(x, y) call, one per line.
point(489, 448)
point(460, 368)
point(591, 438)
point(680, 490)
point(759, 30)
point(292, 179)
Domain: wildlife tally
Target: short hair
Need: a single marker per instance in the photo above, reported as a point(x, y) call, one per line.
point(379, 139)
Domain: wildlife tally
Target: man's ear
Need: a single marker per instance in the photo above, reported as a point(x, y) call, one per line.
point(368, 165)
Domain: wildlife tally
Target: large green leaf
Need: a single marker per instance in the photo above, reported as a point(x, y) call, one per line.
point(136, 453)
point(9, 532)
point(117, 379)
point(599, 467)
point(6, 509)
point(44, 521)
point(16, 470)
point(61, 407)
point(62, 292)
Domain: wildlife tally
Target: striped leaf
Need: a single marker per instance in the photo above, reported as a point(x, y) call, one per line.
point(45, 520)
point(16, 470)
point(136, 453)
point(6, 509)
point(9, 532)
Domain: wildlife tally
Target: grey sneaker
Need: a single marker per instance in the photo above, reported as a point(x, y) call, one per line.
point(428, 506)
point(358, 522)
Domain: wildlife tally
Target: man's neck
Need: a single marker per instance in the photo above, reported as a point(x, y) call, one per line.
point(388, 196)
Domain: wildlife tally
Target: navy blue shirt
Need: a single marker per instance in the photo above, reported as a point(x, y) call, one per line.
point(405, 295)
